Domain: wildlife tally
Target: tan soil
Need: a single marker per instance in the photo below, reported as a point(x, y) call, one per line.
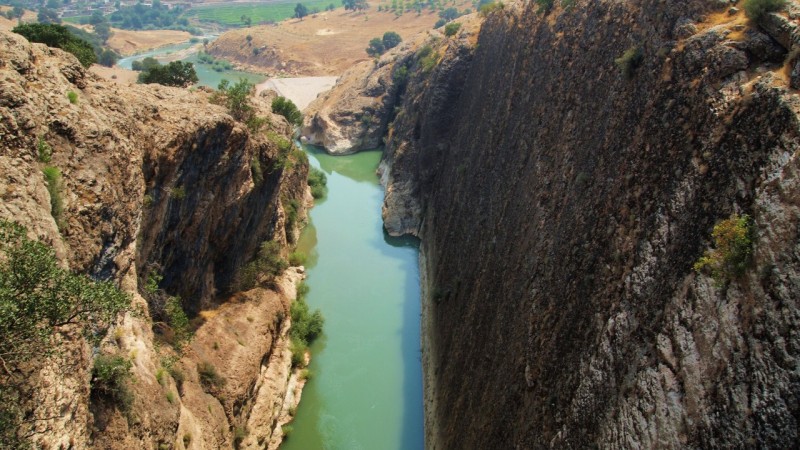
point(327, 43)
point(6, 24)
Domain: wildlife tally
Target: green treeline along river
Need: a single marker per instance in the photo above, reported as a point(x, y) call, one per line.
point(365, 389)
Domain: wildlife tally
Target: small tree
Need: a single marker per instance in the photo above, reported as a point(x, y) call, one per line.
point(391, 40)
point(449, 14)
point(58, 36)
point(287, 108)
point(176, 73)
point(451, 29)
point(237, 98)
point(300, 11)
point(733, 247)
point(375, 47)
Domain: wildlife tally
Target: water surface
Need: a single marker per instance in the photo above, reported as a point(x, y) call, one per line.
point(366, 386)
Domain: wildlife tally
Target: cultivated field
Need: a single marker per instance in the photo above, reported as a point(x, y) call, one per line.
point(231, 14)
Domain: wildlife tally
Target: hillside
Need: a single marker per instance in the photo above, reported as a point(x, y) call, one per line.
point(321, 44)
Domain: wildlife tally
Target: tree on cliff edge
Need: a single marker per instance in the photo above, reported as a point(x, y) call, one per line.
point(300, 11)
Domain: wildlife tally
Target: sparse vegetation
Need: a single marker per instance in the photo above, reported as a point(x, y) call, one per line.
point(286, 430)
point(239, 434)
point(630, 61)
point(317, 181)
point(756, 9)
point(427, 58)
point(391, 40)
point(209, 378)
point(375, 47)
point(236, 98)
point(110, 378)
point(52, 175)
point(178, 193)
point(73, 97)
point(733, 248)
point(268, 263)
point(43, 150)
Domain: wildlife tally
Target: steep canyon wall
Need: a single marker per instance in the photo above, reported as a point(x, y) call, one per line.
point(562, 204)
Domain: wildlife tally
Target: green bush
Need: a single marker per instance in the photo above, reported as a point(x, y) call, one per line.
point(110, 376)
point(297, 258)
point(209, 378)
point(256, 171)
point(176, 73)
point(451, 29)
point(375, 47)
point(178, 322)
point(733, 248)
point(54, 186)
point(43, 150)
point(630, 61)
point(306, 326)
point(287, 109)
point(73, 97)
point(317, 181)
point(236, 98)
point(756, 9)
point(240, 433)
point(545, 6)
point(391, 40)
point(268, 263)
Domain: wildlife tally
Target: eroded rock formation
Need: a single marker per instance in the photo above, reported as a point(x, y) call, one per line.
point(155, 179)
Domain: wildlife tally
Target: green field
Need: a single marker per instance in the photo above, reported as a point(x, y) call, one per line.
point(231, 15)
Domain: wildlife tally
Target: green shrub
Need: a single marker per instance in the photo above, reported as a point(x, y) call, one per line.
point(317, 181)
point(286, 108)
point(170, 397)
point(176, 73)
point(733, 248)
point(545, 6)
point(177, 374)
point(630, 61)
point(306, 326)
point(110, 376)
point(391, 40)
point(73, 97)
point(256, 171)
point(209, 378)
point(451, 29)
point(161, 376)
point(375, 47)
point(286, 430)
point(297, 258)
point(187, 439)
point(268, 262)
point(178, 193)
point(54, 186)
point(756, 9)
point(240, 433)
point(43, 150)
point(236, 98)
point(178, 322)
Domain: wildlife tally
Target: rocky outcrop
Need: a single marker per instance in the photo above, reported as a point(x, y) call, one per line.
point(563, 192)
point(154, 179)
point(355, 114)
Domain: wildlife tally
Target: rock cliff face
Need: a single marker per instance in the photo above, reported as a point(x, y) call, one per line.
point(154, 179)
point(562, 199)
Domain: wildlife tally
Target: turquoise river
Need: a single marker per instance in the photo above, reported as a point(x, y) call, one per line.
point(365, 391)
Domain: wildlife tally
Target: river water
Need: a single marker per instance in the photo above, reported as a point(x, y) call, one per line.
point(365, 391)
